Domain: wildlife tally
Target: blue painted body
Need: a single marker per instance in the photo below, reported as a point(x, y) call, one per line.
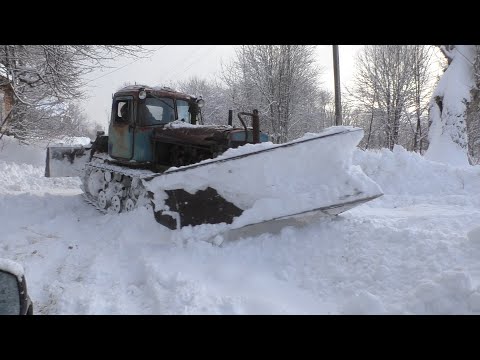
point(120, 143)
point(143, 146)
point(239, 135)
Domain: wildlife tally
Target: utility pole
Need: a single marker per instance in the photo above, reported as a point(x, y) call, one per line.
point(336, 76)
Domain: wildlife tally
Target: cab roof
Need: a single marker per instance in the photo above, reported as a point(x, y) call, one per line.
point(155, 90)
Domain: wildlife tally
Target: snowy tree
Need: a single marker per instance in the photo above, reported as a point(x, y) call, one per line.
point(215, 94)
point(448, 108)
point(391, 88)
point(473, 114)
point(45, 78)
point(282, 82)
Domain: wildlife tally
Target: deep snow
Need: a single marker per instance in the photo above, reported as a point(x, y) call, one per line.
point(413, 251)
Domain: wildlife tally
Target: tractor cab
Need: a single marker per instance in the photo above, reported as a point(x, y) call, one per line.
point(137, 111)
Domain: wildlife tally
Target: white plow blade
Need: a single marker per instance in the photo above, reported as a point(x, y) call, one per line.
point(275, 181)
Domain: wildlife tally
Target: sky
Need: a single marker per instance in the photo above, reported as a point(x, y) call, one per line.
point(414, 250)
point(179, 62)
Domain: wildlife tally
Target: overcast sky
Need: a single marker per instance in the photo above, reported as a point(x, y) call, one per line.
point(178, 62)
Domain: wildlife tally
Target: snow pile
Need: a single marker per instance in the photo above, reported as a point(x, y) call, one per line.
point(72, 141)
point(182, 124)
point(179, 124)
point(25, 177)
point(363, 303)
point(22, 168)
point(474, 235)
point(408, 173)
point(12, 150)
point(450, 292)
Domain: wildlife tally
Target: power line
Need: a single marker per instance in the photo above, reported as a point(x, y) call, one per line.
point(193, 63)
point(121, 67)
point(185, 59)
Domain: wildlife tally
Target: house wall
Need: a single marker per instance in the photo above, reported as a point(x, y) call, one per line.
point(6, 100)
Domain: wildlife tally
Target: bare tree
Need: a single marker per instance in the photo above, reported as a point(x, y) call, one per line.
point(215, 94)
point(44, 78)
point(282, 82)
point(391, 87)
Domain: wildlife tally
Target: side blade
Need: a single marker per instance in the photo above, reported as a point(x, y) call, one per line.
point(66, 161)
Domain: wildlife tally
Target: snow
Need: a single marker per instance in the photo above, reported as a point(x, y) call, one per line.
point(12, 267)
point(73, 140)
point(447, 133)
point(414, 250)
point(182, 124)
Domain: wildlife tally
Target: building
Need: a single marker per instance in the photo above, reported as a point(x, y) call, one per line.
point(6, 98)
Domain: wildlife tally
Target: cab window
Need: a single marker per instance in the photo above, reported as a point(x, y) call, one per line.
point(159, 110)
point(183, 113)
point(122, 112)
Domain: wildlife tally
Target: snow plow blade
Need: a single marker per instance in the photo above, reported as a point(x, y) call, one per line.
point(66, 161)
point(263, 182)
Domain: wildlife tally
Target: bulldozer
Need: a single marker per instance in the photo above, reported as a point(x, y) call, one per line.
point(159, 154)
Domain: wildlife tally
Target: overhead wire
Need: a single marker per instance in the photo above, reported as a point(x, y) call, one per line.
point(194, 62)
point(185, 59)
point(121, 67)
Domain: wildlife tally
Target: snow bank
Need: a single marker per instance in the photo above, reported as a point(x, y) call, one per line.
point(12, 150)
point(22, 168)
point(449, 292)
point(474, 236)
point(415, 259)
point(363, 303)
point(400, 172)
point(25, 177)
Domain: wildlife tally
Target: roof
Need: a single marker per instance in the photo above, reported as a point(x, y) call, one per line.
point(156, 90)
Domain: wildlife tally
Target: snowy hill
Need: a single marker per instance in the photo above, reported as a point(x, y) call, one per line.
point(413, 251)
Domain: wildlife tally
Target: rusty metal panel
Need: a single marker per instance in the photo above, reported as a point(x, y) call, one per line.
point(121, 133)
point(203, 136)
point(120, 139)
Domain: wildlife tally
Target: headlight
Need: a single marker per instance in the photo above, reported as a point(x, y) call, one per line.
point(200, 103)
point(142, 94)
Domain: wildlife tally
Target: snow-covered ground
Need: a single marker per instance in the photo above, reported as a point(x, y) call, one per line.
point(415, 250)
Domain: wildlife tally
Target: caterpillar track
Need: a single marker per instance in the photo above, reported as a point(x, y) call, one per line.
point(116, 190)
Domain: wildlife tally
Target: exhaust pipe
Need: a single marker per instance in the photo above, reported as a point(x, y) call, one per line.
point(255, 125)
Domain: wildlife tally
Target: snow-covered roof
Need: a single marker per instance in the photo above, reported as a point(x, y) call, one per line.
point(147, 87)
